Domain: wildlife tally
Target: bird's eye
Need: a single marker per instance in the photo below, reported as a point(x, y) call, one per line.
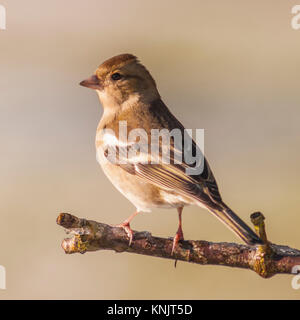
point(116, 76)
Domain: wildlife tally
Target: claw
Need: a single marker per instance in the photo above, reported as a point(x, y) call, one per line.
point(179, 233)
point(176, 239)
point(126, 227)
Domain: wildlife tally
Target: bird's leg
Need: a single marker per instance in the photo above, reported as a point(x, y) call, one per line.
point(126, 226)
point(179, 233)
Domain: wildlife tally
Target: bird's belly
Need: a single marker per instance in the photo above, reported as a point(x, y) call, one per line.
point(144, 196)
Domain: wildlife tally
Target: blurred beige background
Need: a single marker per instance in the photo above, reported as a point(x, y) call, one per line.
point(230, 67)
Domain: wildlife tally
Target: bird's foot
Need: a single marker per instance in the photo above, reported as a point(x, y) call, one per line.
point(176, 239)
point(126, 227)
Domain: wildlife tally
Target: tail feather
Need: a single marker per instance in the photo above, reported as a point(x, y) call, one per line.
point(231, 220)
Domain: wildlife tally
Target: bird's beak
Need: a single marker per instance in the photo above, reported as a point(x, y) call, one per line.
point(91, 82)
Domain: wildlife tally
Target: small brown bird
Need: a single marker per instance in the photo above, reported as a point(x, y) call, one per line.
point(128, 93)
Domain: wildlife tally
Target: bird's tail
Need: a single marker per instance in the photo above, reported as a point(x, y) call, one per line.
point(237, 225)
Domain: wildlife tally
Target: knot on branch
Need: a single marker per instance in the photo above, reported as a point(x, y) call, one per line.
point(83, 232)
point(263, 258)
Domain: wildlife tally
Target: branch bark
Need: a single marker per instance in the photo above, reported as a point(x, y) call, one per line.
point(266, 260)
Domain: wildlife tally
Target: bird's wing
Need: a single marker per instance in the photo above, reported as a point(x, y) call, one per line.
point(169, 174)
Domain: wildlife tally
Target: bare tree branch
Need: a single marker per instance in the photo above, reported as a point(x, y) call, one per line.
point(266, 260)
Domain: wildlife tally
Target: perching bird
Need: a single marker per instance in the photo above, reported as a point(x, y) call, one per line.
point(128, 93)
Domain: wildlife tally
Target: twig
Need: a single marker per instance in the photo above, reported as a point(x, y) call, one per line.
point(266, 260)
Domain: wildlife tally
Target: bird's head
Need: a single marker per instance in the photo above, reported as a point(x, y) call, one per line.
point(122, 79)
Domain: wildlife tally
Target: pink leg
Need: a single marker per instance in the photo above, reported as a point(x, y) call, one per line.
point(126, 226)
point(179, 233)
